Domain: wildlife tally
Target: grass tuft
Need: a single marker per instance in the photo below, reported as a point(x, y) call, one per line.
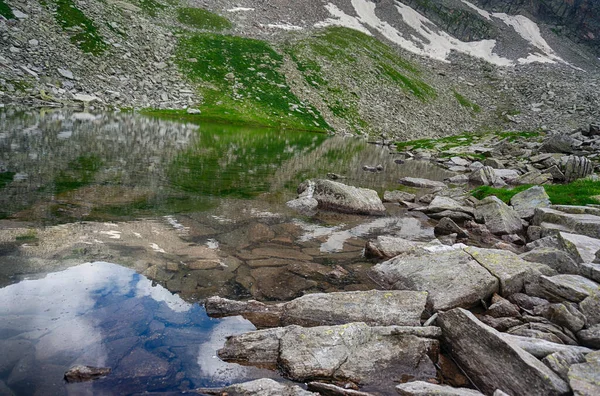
point(6, 11)
point(151, 7)
point(83, 32)
point(579, 192)
point(202, 19)
point(466, 103)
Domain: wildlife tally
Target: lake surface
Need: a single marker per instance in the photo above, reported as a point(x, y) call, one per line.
point(184, 211)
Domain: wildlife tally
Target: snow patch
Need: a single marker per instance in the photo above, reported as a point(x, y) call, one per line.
point(240, 9)
point(283, 26)
point(340, 18)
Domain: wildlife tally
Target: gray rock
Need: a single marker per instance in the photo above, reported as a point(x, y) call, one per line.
point(352, 352)
point(590, 307)
point(387, 247)
point(533, 177)
point(493, 163)
point(511, 270)
point(500, 324)
point(484, 176)
point(374, 307)
point(577, 223)
point(398, 196)
point(441, 204)
point(455, 216)
point(460, 161)
point(590, 337)
point(421, 183)
point(534, 233)
point(556, 259)
point(474, 345)
point(568, 287)
point(86, 373)
point(557, 174)
point(590, 271)
point(527, 302)
point(421, 388)
point(66, 73)
point(561, 362)
point(506, 175)
point(577, 168)
point(259, 387)
point(336, 196)
point(584, 378)
point(563, 314)
point(558, 240)
point(502, 308)
point(581, 247)
point(541, 348)
point(447, 226)
point(458, 179)
point(498, 217)
point(333, 390)
point(452, 278)
point(525, 202)
point(304, 205)
point(558, 143)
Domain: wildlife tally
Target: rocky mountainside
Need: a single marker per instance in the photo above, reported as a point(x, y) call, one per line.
point(399, 69)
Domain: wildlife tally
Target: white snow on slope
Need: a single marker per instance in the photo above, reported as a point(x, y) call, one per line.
point(240, 9)
point(282, 26)
point(435, 43)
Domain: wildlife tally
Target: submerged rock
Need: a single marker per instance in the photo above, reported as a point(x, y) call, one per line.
point(86, 373)
point(374, 307)
point(332, 195)
point(452, 278)
point(353, 352)
point(493, 362)
point(259, 387)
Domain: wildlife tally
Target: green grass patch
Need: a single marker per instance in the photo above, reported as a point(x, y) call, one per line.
point(82, 30)
point(466, 103)
point(200, 18)
point(514, 136)
point(6, 11)
point(337, 51)
point(579, 192)
point(441, 144)
point(239, 79)
point(151, 7)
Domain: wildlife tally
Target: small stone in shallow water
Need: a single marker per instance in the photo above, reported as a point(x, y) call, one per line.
point(86, 373)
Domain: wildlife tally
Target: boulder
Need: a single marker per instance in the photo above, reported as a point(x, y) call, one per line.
point(502, 308)
point(398, 196)
point(484, 176)
point(590, 307)
point(574, 288)
point(460, 217)
point(323, 388)
point(590, 271)
point(558, 143)
point(421, 388)
point(506, 175)
point(351, 352)
point(447, 226)
point(525, 202)
point(559, 240)
point(498, 217)
point(305, 204)
point(581, 247)
point(533, 177)
point(584, 378)
point(527, 302)
point(452, 278)
point(557, 174)
point(493, 163)
point(475, 346)
point(511, 270)
point(374, 307)
point(86, 373)
point(389, 246)
point(421, 183)
point(259, 387)
point(441, 204)
point(590, 337)
point(577, 168)
point(563, 314)
point(556, 259)
point(561, 362)
point(583, 223)
point(339, 197)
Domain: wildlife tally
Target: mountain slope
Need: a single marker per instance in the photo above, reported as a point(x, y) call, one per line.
point(408, 69)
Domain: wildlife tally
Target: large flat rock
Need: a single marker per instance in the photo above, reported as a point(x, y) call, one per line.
point(259, 387)
point(374, 307)
point(511, 270)
point(498, 217)
point(351, 352)
point(492, 362)
point(339, 197)
point(573, 288)
point(452, 278)
point(582, 223)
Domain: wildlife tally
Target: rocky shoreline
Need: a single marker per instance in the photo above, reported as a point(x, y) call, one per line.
point(506, 301)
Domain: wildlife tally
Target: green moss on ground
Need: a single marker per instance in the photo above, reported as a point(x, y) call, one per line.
point(579, 192)
point(514, 136)
point(6, 11)
point(335, 51)
point(202, 19)
point(442, 144)
point(82, 29)
point(151, 7)
point(240, 81)
point(466, 103)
